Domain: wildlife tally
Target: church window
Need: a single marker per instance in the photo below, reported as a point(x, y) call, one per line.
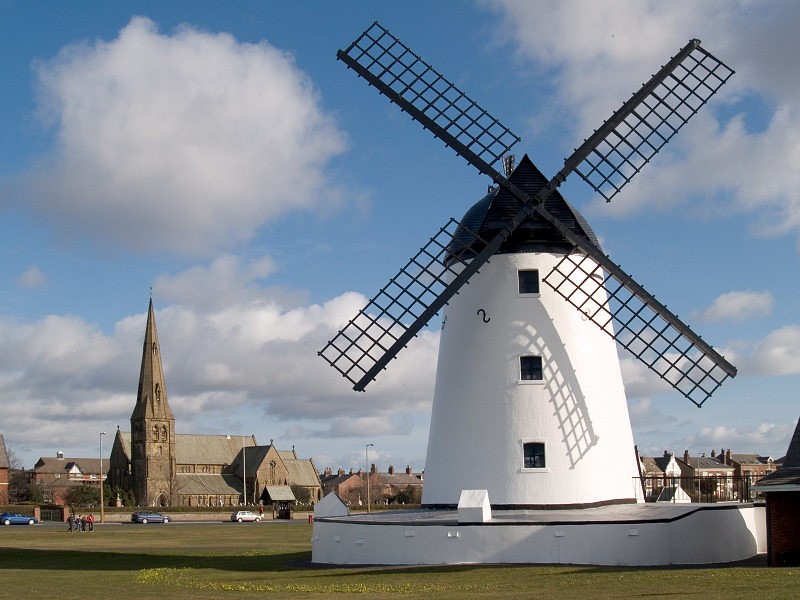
point(530, 368)
point(164, 433)
point(155, 433)
point(158, 393)
point(533, 455)
point(528, 281)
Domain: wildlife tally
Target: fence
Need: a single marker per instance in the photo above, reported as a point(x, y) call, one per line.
point(702, 489)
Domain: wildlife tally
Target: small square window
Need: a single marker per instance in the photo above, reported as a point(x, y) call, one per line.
point(528, 281)
point(533, 455)
point(530, 368)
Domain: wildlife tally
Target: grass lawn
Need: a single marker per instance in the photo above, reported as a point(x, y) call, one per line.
point(272, 560)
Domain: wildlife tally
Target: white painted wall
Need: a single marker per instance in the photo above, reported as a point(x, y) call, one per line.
point(702, 537)
point(482, 413)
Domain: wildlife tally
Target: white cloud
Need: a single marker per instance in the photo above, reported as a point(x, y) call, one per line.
point(254, 352)
point(738, 306)
point(599, 52)
point(758, 437)
point(32, 277)
point(777, 354)
point(185, 142)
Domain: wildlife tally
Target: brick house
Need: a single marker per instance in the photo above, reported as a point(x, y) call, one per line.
point(705, 478)
point(749, 467)
point(349, 486)
point(782, 491)
point(58, 475)
point(4, 468)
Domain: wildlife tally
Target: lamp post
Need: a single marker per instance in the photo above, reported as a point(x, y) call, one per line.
point(366, 461)
point(102, 507)
point(244, 473)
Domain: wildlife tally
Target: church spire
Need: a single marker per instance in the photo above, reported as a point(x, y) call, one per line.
point(151, 400)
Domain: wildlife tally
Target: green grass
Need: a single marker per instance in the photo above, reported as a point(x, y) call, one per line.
point(272, 560)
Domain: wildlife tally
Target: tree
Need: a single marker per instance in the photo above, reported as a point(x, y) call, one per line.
point(83, 495)
point(301, 494)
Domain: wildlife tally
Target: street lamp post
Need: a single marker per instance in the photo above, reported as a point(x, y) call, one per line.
point(366, 461)
point(102, 504)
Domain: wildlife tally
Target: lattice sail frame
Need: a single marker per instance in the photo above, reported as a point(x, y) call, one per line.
point(637, 327)
point(382, 323)
point(607, 160)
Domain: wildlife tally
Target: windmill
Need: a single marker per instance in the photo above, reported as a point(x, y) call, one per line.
point(529, 401)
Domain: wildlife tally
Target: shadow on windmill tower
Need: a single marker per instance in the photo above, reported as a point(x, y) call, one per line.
point(529, 418)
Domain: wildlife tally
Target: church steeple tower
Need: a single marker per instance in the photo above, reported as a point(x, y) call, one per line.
point(152, 427)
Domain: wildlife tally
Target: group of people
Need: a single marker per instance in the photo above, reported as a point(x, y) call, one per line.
point(78, 523)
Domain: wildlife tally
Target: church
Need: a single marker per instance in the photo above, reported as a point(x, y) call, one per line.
point(162, 468)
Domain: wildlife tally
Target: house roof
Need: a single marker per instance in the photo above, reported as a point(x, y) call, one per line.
point(51, 464)
point(750, 459)
point(3, 454)
point(337, 479)
point(706, 463)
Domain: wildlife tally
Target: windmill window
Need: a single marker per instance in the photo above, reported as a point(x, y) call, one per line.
point(530, 368)
point(528, 281)
point(533, 455)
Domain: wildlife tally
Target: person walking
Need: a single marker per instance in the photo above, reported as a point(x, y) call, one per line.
point(70, 522)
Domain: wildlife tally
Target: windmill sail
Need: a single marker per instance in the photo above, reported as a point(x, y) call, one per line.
point(607, 160)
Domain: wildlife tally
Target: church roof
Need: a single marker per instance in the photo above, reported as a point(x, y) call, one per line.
point(206, 483)
point(3, 454)
point(302, 471)
point(199, 449)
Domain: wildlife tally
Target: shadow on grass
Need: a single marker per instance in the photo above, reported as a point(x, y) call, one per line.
point(66, 560)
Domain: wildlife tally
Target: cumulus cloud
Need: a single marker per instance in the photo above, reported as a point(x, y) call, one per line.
point(778, 353)
point(759, 437)
point(185, 142)
point(738, 306)
point(32, 277)
point(599, 52)
point(255, 352)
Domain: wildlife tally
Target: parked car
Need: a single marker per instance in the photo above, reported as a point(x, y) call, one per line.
point(14, 518)
point(245, 515)
point(148, 516)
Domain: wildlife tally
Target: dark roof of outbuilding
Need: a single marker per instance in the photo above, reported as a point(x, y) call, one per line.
point(789, 473)
point(492, 212)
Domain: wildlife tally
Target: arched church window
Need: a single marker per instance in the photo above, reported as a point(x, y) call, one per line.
point(155, 433)
point(154, 348)
point(164, 433)
point(158, 392)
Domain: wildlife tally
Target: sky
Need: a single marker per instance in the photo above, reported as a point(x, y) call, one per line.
point(218, 157)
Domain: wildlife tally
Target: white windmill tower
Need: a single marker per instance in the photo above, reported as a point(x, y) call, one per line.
point(529, 401)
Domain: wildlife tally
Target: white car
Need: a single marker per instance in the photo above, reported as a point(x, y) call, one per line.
point(245, 515)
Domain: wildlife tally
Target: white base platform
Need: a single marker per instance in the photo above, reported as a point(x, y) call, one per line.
point(630, 535)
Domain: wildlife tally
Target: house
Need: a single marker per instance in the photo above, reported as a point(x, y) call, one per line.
point(59, 474)
point(350, 487)
point(4, 468)
point(705, 478)
point(658, 473)
point(782, 491)
point(391, 486)
point(749, 467)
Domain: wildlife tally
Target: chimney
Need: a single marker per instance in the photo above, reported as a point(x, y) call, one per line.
point(666, 454)
point(373, 469)
point(340, 472)
point(351, 470)
point(728, 456)
point(686, 456)
point(60, 455)
point(391, 470)
point(408, 469)
point(713, 453)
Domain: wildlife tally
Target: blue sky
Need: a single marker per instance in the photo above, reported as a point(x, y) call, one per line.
point(218, 153)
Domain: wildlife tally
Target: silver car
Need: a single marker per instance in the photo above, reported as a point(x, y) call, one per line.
point(245, 515)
